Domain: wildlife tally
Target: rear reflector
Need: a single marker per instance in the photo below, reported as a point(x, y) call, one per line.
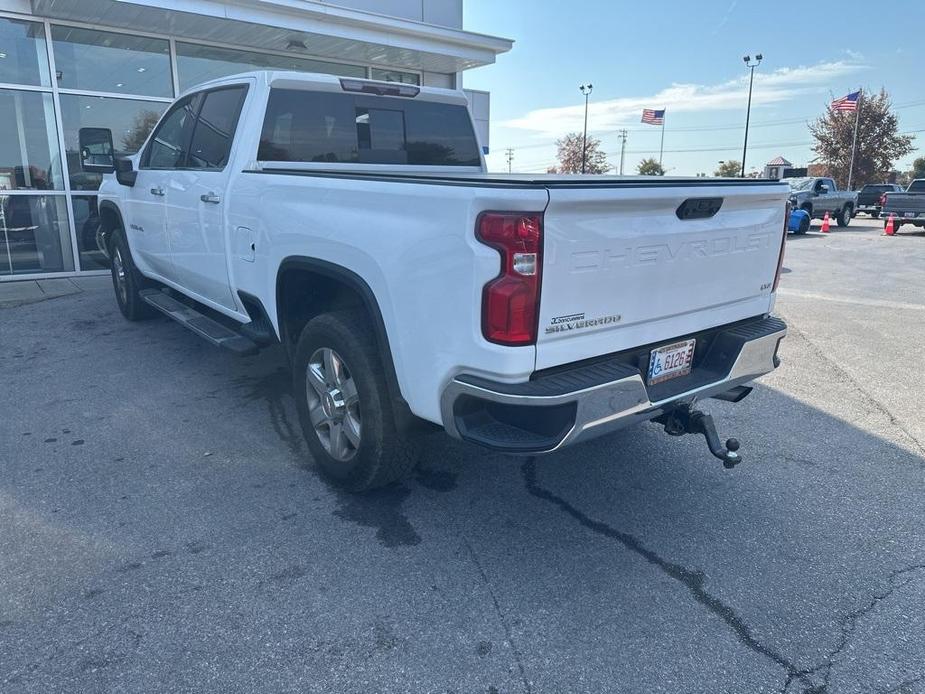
point(510, 302)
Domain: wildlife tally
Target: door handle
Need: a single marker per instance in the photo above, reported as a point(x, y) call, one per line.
point(210, 197)
point(157, 191)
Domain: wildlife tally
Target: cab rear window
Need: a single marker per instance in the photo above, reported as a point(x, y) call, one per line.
point(328, 127)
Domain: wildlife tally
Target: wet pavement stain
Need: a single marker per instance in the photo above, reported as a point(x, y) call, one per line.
point(274, 389)
point(380, 509)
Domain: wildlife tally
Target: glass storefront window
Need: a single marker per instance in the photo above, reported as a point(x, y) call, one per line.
point(29, 157)
point(103, 61)
point(23, 58)
point(130, 120)
point(87, 223)
point(197, 64)
point(34, 234)
point(394, 76)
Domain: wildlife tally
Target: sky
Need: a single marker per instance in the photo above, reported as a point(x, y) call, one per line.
point(686, 56)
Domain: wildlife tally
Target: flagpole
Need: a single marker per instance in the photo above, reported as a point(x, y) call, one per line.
point(661, 148)
point(854, 143)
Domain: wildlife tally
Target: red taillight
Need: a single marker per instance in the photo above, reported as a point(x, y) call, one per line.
point(783, 244)
point(510, 302)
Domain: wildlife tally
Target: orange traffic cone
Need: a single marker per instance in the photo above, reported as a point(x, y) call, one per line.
point(825, 223)
point(889, 229)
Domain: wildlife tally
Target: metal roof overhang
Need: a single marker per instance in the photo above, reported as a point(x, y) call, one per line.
point(327, 31)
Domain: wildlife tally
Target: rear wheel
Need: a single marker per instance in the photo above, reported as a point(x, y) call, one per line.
point(875, 214)
point(344, 405)
point(844, 216)
point(127, 281)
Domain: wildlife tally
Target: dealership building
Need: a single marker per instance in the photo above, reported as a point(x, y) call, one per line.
point(117, 64)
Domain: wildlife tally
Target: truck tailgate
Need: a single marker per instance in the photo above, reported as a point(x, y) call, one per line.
point(622, 268)
point(905, 204)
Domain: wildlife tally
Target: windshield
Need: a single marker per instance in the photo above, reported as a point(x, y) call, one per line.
point(917, 186)
point(800, 183)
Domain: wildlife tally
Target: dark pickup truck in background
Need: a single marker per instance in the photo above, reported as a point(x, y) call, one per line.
point(871, 195)
point(908, 206)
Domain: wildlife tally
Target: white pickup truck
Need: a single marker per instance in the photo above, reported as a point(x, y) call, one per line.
point(354, 222)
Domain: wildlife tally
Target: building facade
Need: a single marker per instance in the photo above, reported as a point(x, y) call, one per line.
point(117, 64)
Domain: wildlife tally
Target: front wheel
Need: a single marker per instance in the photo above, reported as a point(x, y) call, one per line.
point(844, 216)
point(875, 214)
point(344, 405)
point(127, 281)
point(804, 225)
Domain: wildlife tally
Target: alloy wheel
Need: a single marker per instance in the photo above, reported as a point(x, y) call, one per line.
point(333, 404)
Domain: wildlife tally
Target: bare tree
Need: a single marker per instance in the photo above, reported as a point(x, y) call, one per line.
point(570, 155)
point(141, 128)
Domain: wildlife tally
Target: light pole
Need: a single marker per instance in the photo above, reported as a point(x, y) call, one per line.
point(586, 90)
point(751, 79)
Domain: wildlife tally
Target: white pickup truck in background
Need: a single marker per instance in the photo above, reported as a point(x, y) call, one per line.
point(353, 222)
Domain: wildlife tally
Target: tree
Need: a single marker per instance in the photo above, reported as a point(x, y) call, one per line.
point(650, 167)
point(143, 125)
point(570, 155)
point(728, 169)
point(879, 142)
point(918, 168)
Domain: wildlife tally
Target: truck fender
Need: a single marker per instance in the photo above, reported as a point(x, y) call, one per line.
point(404, 417)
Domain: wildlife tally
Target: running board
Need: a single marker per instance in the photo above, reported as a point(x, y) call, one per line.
point(207, 328)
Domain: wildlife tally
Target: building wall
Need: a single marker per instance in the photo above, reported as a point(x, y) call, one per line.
point(448, 13)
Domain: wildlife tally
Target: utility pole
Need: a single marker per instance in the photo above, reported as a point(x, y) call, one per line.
point(586, 90)
point(622, 149)
point(509, 152)
point(748, 112)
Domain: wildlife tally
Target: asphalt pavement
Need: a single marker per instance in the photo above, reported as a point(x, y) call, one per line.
point(162, 528)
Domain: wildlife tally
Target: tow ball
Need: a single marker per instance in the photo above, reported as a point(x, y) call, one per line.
point(686, 420)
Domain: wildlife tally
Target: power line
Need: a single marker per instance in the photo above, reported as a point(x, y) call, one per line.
point(510, 157)
point(713, 128)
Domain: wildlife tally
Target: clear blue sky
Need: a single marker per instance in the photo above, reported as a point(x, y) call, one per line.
point(687, 55)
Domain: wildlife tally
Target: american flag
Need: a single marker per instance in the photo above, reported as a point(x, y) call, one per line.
point(847, 103)
point(653, 116)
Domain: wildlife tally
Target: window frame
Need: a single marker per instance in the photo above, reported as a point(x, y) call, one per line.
point(245, 89)
point(203, 93)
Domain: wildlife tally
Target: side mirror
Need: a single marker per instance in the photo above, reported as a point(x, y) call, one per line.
point(125, 172)
point(96, 151)
point(822, 189)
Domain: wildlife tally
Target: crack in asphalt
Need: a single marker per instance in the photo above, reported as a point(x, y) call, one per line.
point(879, 406)
point(848, 623)
point(693, 580)
point(518, 657)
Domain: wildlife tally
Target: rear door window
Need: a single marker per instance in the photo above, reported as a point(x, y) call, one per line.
point(306, 126)
point(215, 126)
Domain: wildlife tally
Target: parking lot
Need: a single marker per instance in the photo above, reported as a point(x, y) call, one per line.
point(162, 529)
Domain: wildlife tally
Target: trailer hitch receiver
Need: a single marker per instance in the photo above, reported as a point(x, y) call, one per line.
point(686, 420)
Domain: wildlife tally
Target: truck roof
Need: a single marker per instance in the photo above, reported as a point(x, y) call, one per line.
point(292, 79)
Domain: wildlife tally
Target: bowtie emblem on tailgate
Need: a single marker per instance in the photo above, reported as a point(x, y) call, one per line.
point(699, 208)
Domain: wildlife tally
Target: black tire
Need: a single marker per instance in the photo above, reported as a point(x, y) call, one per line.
point(875, 214)
point(808, 209)
point(368, 451)
point(127, 281)
point(804, 226)
point(844, 216)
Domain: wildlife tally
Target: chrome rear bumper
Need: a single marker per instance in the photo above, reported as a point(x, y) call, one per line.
point(568, 406)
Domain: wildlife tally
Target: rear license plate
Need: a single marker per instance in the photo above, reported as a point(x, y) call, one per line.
point(671, 361)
